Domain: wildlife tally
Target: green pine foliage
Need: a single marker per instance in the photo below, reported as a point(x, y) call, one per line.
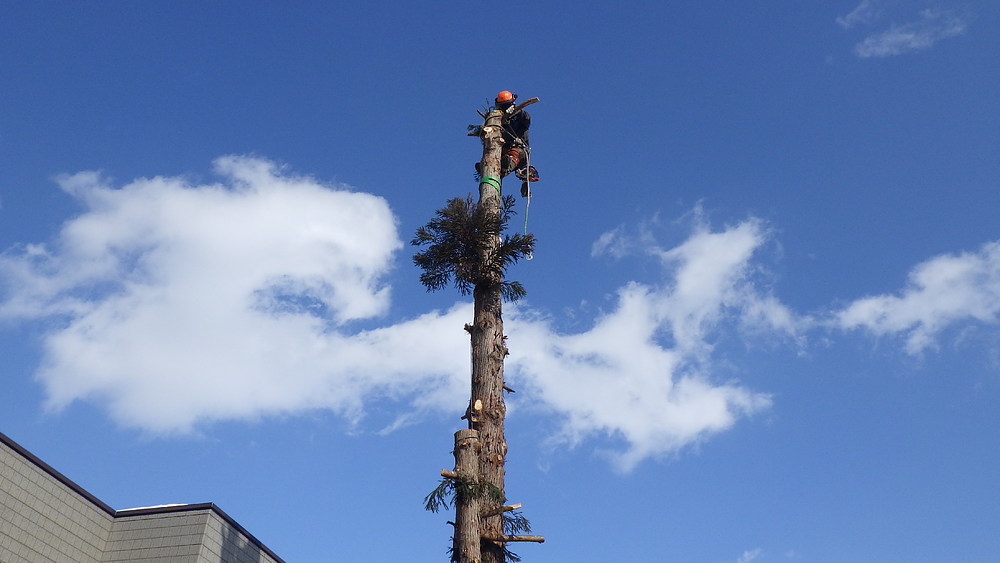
point(450, 491)
point(453, 242)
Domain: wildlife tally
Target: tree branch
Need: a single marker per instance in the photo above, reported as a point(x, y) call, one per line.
point(499, 510)
point(503, 538)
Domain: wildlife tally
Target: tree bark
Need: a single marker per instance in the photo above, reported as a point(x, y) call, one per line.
point(487, 409)
point(467, 507)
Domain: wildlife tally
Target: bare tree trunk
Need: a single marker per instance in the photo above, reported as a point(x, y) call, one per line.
point(487, 409)
point(467, 506)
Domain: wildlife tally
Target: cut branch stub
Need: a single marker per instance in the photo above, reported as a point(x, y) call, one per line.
point(503, 538)
point(500, 510)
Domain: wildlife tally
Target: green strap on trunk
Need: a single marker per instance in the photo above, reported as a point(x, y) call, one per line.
point(495, 182)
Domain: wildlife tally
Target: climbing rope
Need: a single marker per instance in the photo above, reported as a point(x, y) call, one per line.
point(527, 203)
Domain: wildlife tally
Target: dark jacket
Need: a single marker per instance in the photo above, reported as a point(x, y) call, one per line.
point(516, 124)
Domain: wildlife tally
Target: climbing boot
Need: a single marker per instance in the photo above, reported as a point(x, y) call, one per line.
point(529, 175)
point(526, 175)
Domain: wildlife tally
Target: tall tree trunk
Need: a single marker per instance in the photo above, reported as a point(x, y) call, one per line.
point(467, 543)
point(487, 409)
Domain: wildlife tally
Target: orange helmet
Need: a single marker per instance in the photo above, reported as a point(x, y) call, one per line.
point(505, 97)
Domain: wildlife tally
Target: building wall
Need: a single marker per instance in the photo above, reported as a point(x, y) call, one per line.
point(201, 535)
point(43, 519)
point(227, 543)
point(157, 538)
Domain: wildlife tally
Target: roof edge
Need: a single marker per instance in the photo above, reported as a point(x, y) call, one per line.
point(210, 506)
point(55, 474)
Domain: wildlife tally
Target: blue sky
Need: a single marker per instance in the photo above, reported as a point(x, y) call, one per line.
point(762, 316)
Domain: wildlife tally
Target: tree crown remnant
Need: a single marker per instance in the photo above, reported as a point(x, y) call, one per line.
point(455, 240)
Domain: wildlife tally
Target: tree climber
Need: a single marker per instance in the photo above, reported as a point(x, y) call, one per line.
point(515, 122)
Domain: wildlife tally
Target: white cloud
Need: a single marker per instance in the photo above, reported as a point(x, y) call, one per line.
point(176, 303)
point(612, 243)
point(930, 26)
point(864, 13)
point(940, 292)
point(623, 241)
point(173, 305)
point(644, 373)
point(750, 555)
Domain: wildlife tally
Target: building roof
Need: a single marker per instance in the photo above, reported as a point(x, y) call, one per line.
point(114, 516)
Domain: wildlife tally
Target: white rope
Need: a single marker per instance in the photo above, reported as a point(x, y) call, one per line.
point(527, 204)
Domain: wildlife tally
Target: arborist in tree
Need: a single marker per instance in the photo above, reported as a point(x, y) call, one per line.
point(516, 150)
